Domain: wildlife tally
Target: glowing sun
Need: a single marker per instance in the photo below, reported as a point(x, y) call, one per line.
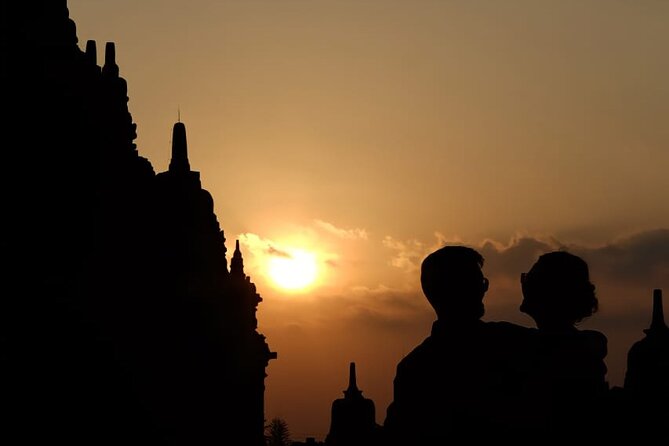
point(295, 271)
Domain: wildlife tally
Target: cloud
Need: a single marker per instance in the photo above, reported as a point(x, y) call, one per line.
point(635, 259)
point(258, 251)
point(515, 257)
point(638, 259)
point(624, 270)
point(376, 323)
point(259, 246)
point(629, 265)
point(641, 259)
point(332, 255)
point(379, 308)
point(348, 234)
point(332, 263)
point(271, 250)
point(408, 254)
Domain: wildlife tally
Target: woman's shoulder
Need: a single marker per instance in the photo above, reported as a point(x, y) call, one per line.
point(509, 328)
point(593, 334)
point(596, 340)
point(506, 329)
point(510, 338)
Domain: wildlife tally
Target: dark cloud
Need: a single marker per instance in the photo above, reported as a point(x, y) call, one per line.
point(624, 271)
point(391, 310)
point(515, 258)
point(384, 323)
point(271, 250)
point(378, 319)
point(380, 309)
point(641, 259)
point(332, 263)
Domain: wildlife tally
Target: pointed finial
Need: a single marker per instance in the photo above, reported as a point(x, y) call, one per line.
point(352, 381)
point(179, 161)
point(178, 113)
point(110, 68)
point(92, 52)
point(657, 322)
point(110, 53)
point(352, 390)
point(237, 262)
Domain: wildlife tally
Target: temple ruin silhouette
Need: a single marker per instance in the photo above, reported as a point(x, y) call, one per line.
point(120, 319)
point(648, 360)
point(645, 401)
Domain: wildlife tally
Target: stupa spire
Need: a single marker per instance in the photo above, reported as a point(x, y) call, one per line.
point(352, 390)
point(657, 322)
point(110, 68)
point(179, 161)
point(353, 417)
point(237, 262)
point(91, 52)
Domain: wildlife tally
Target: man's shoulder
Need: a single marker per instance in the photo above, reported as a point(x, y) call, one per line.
point(419, 354)
point(425, 347)
point(495, 333)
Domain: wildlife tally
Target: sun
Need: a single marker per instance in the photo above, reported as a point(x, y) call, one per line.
point(294, 271)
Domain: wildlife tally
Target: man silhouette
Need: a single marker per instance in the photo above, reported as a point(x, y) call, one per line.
point(460, 382)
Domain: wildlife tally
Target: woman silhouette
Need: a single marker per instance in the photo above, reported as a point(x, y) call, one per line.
point(568, 378)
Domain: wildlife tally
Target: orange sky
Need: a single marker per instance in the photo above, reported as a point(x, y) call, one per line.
point(370, 132)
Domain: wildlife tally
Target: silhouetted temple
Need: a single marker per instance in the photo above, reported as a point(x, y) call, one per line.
point(353, 419)
point(648, 359)
point(647, 376)
point(119, 320)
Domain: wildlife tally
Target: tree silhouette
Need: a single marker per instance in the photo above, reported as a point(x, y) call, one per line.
point(277, 433)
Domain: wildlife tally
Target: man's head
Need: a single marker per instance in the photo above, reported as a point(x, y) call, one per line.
point(453, 283)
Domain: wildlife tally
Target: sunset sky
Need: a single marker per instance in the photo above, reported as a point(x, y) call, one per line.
point(355, 136)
